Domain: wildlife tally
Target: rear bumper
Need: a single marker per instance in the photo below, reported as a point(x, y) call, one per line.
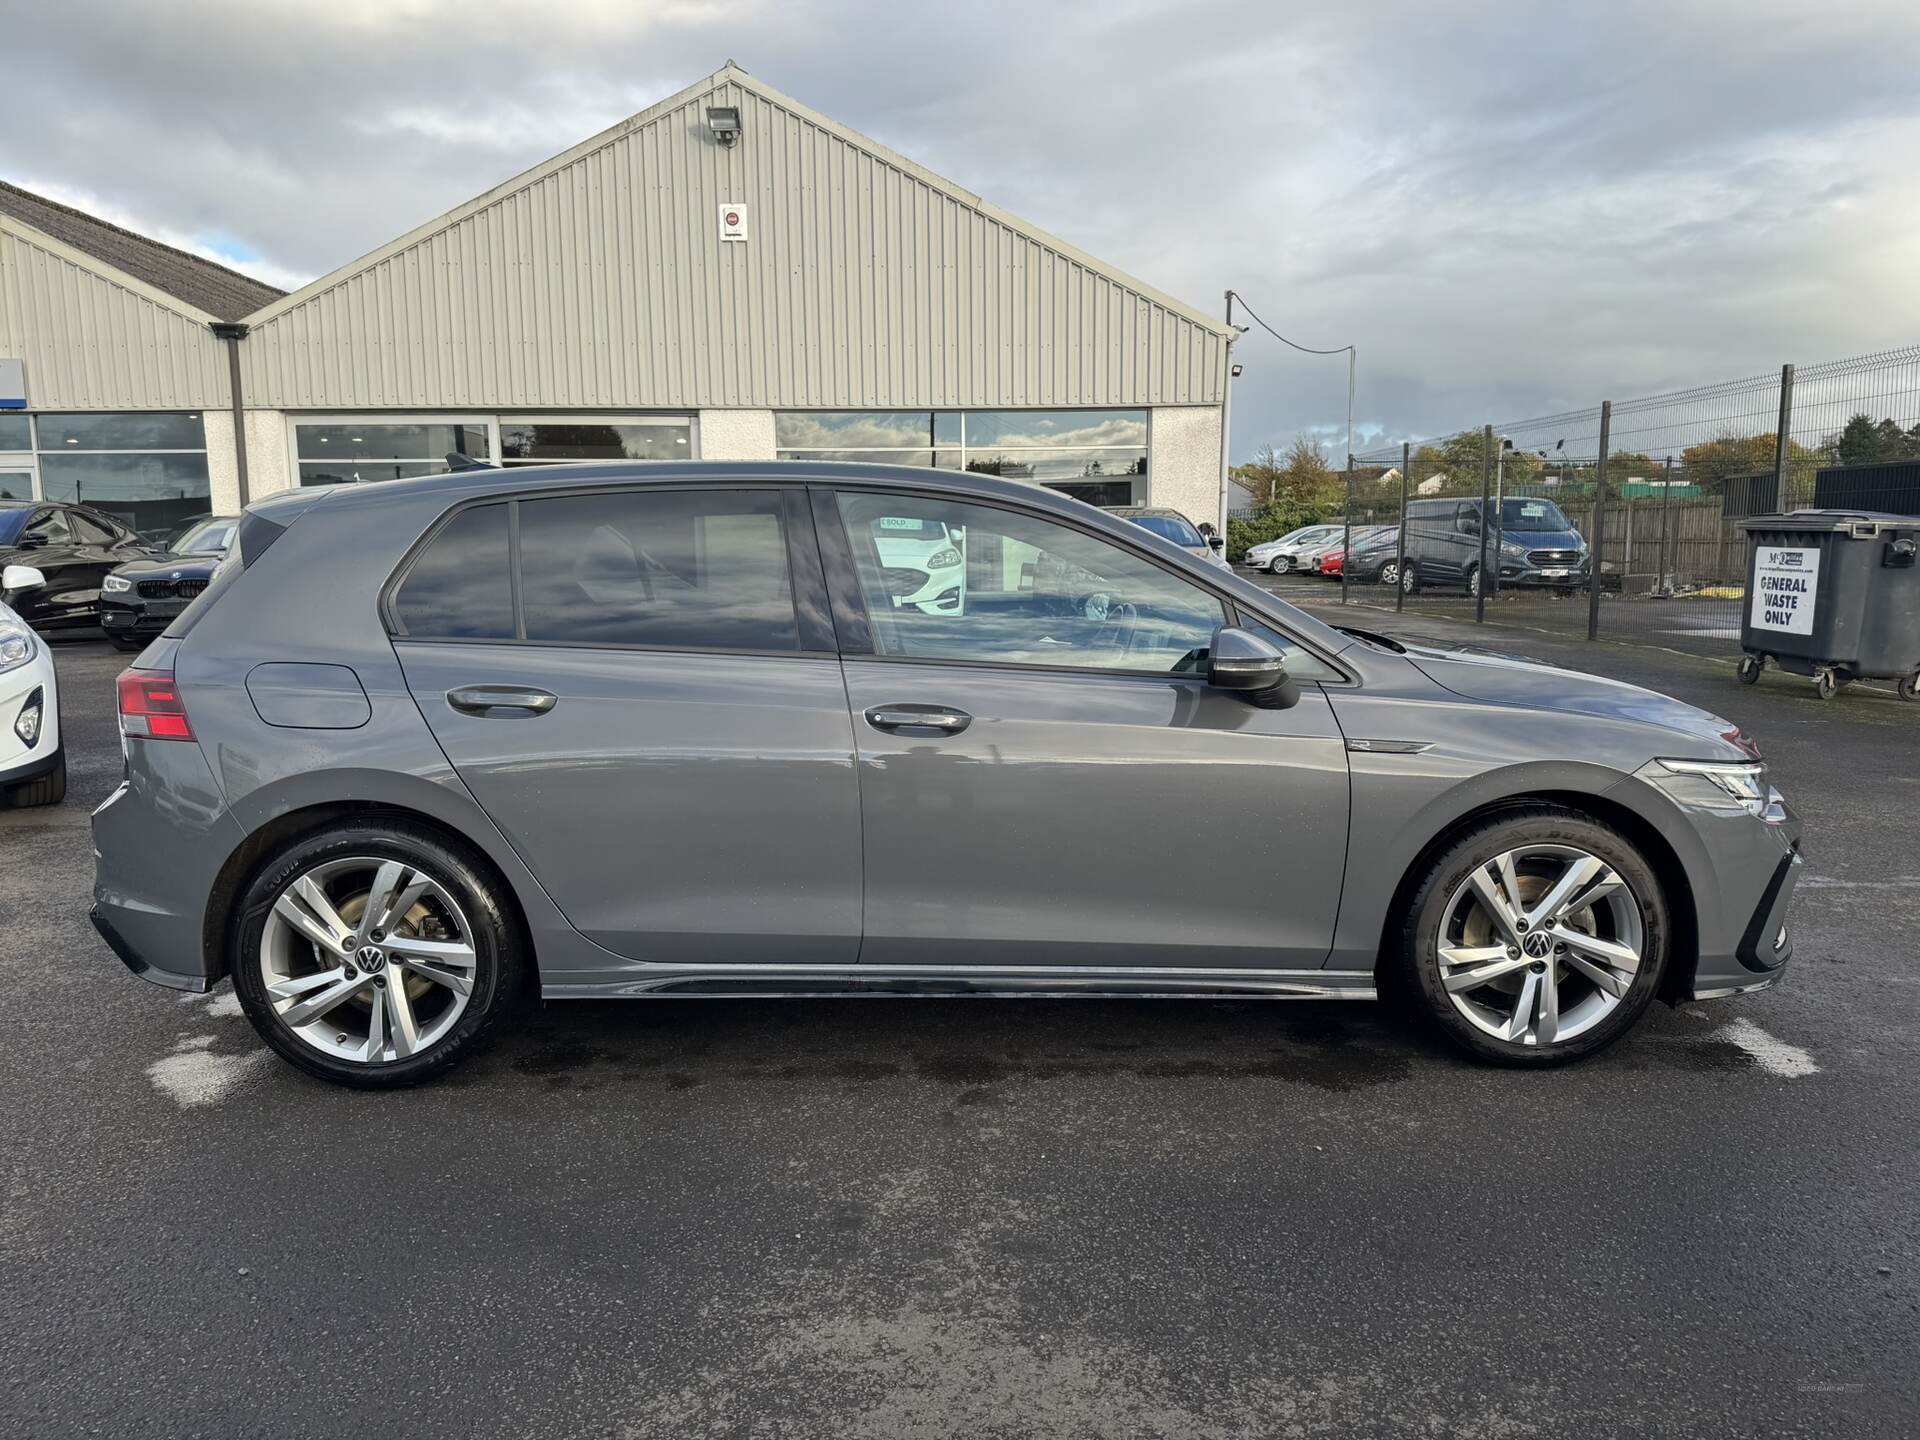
point(159, 842)
point(135, 960)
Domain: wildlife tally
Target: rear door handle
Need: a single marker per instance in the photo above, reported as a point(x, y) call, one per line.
point(943, 718)
point(501, 702)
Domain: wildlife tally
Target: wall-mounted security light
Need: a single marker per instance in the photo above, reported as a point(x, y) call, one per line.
point(724, 122)
point(1237, 368)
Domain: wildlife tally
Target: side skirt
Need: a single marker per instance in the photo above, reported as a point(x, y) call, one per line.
point(775, 981)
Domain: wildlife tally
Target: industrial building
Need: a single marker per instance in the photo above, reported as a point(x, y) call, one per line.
point(727, 275)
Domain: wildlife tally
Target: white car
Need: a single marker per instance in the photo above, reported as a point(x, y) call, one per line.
point(1280, 556)
point(924, 563)
point(33, 766)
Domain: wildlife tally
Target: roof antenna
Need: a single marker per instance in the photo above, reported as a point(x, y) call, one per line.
point(457, 462)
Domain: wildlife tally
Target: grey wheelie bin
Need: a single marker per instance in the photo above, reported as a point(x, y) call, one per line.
point(1833, 594)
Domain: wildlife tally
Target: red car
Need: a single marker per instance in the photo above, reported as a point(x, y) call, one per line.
point(1331, 563)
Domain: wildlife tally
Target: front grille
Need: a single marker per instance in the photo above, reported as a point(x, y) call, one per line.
point(1553, 557)
point(170, 589)
point(900, 580)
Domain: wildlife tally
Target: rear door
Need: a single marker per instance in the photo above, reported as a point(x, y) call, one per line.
point(646, 700)
point(1047, 779)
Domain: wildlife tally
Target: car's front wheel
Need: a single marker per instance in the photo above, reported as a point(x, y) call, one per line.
point(374, 954)
point(1280, 565)
point(1536, 937)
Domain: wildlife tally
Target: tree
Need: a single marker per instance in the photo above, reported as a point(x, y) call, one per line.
point(1303, 478)
point(1731, 457)
point(1864, 440)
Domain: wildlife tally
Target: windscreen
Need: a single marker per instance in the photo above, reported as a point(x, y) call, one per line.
point(1541, 515)
point(12, 522)
point(1170, 527)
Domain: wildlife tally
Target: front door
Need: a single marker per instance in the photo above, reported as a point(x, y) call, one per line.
point(1046, 778)
point(652, 714)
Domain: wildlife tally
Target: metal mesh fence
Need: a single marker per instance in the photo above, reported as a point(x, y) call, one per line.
point(1520, 523)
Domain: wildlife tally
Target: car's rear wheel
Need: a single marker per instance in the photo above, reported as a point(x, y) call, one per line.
point(374, 954)
point(1535, 938)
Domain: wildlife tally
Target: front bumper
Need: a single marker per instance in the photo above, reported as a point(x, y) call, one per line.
point(20, 761)
point(143, 617)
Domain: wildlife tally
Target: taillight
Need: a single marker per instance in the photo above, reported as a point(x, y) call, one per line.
point(150, 707)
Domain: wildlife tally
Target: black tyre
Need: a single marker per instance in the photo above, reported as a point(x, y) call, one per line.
point(375, 953)
point(49, 789)
point(1410, 579)
point(1826, 684)
point(1280, 565)
point(1389, 574)
point(1536, 937)
point(1472, 578)
point(126, 643)
point(1910, 687)
point(1749, 669)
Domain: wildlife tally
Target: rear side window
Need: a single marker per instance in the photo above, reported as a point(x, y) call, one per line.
point(692, 569)
point(461, 587)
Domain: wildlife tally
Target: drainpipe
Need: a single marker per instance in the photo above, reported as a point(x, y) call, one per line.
point(233, 332)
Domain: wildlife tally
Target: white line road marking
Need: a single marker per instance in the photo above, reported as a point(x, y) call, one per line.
point(1831, 882)
point(1776, 1057)
point(194, 1078)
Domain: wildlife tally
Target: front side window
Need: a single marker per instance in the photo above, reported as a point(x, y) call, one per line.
point(54, 526)
point(694, 569)
point(92, 532)
point(949, 581)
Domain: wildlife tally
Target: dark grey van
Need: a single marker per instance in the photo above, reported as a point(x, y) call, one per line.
point(1536, 545)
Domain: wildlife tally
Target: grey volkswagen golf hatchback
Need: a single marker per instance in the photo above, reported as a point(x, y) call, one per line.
point(674, 730)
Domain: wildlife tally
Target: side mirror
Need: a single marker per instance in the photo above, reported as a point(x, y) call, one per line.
point(1241, 661)
point(16, 578)
point(32, 540)
point(1218, 542)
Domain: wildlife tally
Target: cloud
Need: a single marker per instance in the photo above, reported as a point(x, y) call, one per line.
point(1509, 208)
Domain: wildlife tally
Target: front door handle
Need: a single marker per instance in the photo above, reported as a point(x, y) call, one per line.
point(500, 702)
point(943, 718)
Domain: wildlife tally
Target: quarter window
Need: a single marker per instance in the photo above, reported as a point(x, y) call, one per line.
point(693, 569)
point(459, 588)
point(947, 581)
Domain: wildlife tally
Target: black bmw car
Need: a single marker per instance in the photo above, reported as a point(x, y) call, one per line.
point(138, 600)
point(74, 547)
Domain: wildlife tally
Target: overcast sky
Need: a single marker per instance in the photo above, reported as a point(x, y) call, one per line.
point(1510, 208)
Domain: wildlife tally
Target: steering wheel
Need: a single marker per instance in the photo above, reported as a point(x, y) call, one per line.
point(1116, 619)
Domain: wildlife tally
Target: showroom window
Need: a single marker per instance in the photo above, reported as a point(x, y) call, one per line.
point(346, 452)
point(1095, 455)
point(547, 440)
point(343, 450)
point(146, 469)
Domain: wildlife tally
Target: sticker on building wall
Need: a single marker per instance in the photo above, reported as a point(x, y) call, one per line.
point(733, 222)
point(13, 384)
point(1785, 581)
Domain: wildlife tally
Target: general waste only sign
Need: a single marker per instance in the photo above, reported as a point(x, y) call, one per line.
point(1785, 580)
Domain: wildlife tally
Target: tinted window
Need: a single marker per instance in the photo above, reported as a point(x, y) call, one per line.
point(92, 532)
point(16, 432)
point(12, 522)
point(209, 537)
point(593, 440)
point(459, 588)
point(1001, 586)
point(702, 569)
point(54, 525)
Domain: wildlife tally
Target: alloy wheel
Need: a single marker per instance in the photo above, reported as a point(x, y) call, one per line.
point(367, 959)
point(1389, 574)
point(1540, 944)
point(1280, 564)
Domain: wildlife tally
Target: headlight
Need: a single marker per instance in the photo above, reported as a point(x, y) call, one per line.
point(115, 584)
point(1743, 782)
point(942, 559)
point(17, 645)
point(1513, 550)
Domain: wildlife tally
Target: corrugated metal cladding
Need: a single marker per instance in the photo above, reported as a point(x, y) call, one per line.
point(92, 344)
point(605, 284)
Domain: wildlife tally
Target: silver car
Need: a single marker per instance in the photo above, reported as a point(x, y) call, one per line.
point(425, 746)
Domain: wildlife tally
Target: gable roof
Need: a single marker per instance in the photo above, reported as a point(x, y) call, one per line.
point(214, 289)
point(732, 74)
